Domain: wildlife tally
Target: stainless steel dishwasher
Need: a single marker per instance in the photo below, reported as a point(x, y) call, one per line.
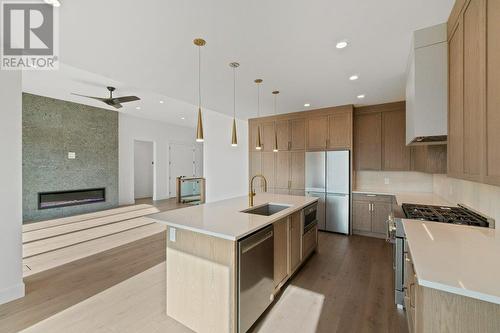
point(255, 276)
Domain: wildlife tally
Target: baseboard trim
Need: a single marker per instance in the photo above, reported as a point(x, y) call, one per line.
point(12, 293)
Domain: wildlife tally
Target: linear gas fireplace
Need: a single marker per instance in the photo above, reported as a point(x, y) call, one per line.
point(48, 200)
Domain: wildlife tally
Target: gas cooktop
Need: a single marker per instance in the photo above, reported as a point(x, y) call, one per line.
point(453, 215)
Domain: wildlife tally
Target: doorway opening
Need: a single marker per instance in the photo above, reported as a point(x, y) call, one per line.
point(143, 169)
point(185, 160)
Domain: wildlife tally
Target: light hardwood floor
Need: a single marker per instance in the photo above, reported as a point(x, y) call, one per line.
point(347, 286)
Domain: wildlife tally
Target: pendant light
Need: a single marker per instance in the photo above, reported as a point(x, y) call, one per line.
point(199, 128)
point(275, 148)
point(258, 144)
point(234, 136)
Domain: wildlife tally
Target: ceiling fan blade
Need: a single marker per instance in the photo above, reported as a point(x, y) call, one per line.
point(125, 99)
point(96, 98)
point(112, 103)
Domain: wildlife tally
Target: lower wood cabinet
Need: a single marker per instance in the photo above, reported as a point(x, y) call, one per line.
point(280, 251)
point(370, 213)
point(295, 241)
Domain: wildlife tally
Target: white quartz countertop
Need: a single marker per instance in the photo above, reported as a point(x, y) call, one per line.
point(458, 259)
point(224, 219)
point(421, 198)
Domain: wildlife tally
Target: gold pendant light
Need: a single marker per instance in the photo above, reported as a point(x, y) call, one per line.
point(258, 144)
point(234, 136)
point(275, 148)
point(199, 128)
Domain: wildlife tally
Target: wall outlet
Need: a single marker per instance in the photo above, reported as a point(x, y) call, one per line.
point(71, 155)
point(172, 234)
point(387, 181)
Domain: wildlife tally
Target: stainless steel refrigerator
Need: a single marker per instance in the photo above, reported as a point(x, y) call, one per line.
point(328, 178)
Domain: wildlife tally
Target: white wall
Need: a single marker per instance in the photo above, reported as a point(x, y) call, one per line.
point(11, 278)
point(398, 181)
point(143, 169)
point(133, 128)
point(224, 167)
point(481, 197)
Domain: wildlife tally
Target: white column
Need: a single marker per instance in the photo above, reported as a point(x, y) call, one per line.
point(11, 273)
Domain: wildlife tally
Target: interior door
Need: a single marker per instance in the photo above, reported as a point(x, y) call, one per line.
point(337, 213)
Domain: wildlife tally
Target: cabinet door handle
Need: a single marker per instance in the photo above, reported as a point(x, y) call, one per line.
point(412, 302)
point(289, 145)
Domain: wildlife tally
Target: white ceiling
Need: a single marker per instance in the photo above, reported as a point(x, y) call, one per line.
point(289, 43)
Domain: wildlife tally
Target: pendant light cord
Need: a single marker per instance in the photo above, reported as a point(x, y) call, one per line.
point(258, 99)
point(234, 93)
point(199, 76)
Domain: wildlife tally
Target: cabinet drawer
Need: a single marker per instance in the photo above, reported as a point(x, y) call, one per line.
point(309, 241)
point(372, 197)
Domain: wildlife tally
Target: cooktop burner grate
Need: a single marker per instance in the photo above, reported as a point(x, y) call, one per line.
point(454, 215)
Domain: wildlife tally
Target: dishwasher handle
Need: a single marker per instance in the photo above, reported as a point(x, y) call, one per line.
point(254, 243)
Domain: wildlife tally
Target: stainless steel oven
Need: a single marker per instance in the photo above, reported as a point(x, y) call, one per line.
point(310, 216)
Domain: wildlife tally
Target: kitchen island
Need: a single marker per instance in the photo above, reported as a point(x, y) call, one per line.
point(203, 254)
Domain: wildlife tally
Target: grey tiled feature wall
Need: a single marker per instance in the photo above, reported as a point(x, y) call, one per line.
point(51, 129)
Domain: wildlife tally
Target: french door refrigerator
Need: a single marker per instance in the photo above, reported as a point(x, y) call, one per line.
point(328, 178)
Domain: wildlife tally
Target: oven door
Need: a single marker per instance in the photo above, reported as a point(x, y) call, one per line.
point(310, 217)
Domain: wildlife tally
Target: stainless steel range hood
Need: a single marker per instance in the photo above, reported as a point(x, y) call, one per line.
point(427, 87)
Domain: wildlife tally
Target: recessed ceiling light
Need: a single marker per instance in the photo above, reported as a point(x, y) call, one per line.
point(54, 3)
point(161, 102)
point(361, 96)
point(353, 77)
point(307, 105)
point(137, 107)
point(182, 118)
point(341, 44)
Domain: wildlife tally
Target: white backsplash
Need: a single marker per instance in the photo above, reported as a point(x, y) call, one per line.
point(481, 197)
point(393, 181)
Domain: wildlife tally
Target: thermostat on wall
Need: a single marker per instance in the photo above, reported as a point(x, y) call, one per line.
point(71, 155)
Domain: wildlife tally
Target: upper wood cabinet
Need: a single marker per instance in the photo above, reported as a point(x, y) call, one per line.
point(283, 134)
point(492, 164)
point(283, 167)
point(368, 141)
point(455, 102)
point(340, 130)
point(297, 134)
point(267, 132)
point(430, 159)
point(269, 169)
point(396, 155)
point(317, 132)
point(297, 170)
point(474, 82)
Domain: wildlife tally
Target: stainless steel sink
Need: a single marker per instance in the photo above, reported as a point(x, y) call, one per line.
point(266, 210)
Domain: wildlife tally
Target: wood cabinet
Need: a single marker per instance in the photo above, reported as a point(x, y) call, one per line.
point(492, 163)
point(268, 136)
point(295, 241)
point(474, 76)
point(340, 130)
point(368, 141)
point(380, 142)
point(396, 155)
point(429, 158)
point(297, 134)
point(309, 242)
point(434, 310)
point(280, 251)
point(283, 135)
point(268, 168)
point(370, 213)
point(297, 170)
point(317, 132)
point(455, 102)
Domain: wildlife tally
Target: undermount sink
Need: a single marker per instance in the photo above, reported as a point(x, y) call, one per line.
point(266, 210)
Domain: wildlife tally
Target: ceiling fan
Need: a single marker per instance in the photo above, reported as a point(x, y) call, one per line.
point(115, 102)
